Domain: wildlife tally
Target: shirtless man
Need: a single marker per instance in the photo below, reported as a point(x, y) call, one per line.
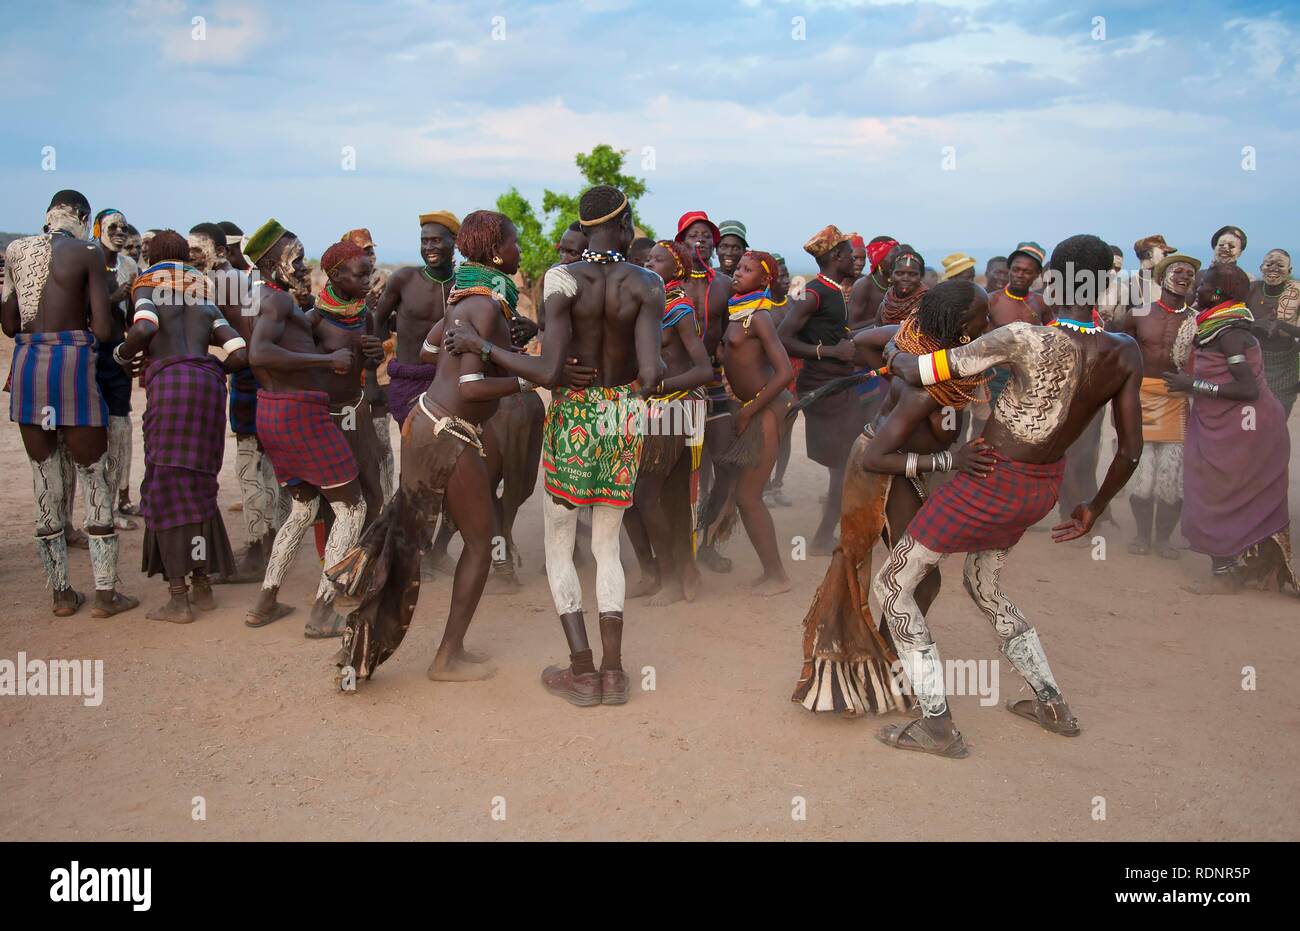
point(234, 246)
point(708, 290)
point(732, 243)
point(1014, 302)
point(442, 458)
point(572, 244)
point(605, 313)
point(132, 247)
point(660, 523)
point(1164, 333)
point(307, 449)
point(174, 323)
point(210, 253)
point(418, 296)
point(115, 384)
point(341, 320)
point(996, 273)
point(51, 281)
point(869, 290)
point(848, 658)
point(1061, 376)
point(859, 247)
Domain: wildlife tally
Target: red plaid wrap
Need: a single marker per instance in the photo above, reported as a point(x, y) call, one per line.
point(970, 514)
point(303, 441)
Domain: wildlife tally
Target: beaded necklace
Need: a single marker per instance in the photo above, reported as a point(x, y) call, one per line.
point(741, 307)
point(1077, 326)
point(608, 257)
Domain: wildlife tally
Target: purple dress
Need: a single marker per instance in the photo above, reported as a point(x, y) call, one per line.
point(1235, 471)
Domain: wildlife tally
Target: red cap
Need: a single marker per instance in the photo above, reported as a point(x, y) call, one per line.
point(695, 216)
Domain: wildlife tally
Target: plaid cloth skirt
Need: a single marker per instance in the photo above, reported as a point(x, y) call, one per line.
point(303, 441)
point(967, 515)
point(184, 443)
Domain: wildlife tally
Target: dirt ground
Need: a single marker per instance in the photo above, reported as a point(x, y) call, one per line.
point(249, 720)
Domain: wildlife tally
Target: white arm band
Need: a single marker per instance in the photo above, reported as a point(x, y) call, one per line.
point(431, 350)
point(235, 342)
point(472, 376)
point(145, 309)
point(219, 320)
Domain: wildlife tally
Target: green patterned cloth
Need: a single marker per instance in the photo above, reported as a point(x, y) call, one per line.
point(591, 446)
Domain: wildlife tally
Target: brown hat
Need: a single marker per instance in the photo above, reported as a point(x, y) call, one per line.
point(825, 241)
point(1147, 243)
point(1158, 273)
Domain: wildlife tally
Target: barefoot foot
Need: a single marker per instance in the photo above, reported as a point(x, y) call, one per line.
point(460, 670)
point(176, 610)
point(670, 593)
point(648, 584)
point(772, 585)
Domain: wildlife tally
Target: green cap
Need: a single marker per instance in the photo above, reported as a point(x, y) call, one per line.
point(733, 228)
point(266, 236)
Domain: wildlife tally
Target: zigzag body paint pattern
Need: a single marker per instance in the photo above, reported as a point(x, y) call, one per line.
point(1046, 367)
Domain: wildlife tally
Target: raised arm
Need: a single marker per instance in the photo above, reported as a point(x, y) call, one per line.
point(869, 345)
point(481, 313)
point(1005, 344)
point(559, 291)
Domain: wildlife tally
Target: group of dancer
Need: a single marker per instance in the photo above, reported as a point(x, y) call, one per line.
point(674, 383)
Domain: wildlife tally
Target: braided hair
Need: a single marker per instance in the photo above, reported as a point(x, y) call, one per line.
point(942, 309)
point(480, 234)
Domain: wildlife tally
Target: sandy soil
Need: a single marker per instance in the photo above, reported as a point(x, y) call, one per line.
point(248, 719)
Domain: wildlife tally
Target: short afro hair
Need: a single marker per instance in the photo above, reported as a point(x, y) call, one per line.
point(168, 246)
point(1081, 253)
point(211, 230)
point(943, 307)
point(481, 234)
point(601, 201)
point(69, 198)
point(1230, 281)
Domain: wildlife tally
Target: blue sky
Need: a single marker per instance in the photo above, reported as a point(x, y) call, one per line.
point(720, 104)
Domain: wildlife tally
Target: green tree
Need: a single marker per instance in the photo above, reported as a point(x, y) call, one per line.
point(602, 165)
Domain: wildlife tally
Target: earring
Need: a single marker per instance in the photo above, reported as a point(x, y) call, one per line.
point(496, 260)
point(963, 338)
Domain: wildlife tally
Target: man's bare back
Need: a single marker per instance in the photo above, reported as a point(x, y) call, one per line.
point(603, 317)
point(1060, 378)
